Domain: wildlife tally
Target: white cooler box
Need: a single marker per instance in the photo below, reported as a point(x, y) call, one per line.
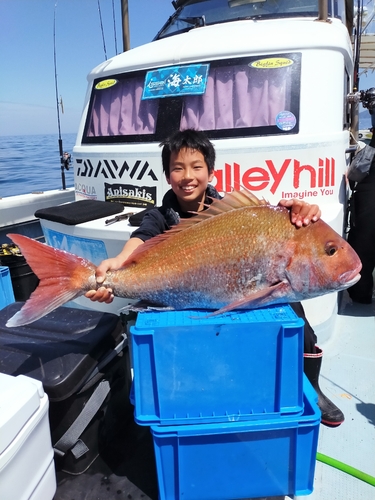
point(27, 469)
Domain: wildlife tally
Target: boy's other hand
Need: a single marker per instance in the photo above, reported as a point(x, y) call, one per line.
point(102, 294)
point(301, 213)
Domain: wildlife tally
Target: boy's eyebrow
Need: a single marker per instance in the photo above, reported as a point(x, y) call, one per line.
point(183, 163)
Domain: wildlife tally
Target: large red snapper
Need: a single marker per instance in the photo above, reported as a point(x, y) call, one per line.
point(239, 253)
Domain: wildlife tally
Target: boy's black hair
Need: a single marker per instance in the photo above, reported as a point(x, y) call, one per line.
point(189, 139)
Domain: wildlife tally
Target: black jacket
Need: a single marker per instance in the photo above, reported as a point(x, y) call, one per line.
point(160, 219)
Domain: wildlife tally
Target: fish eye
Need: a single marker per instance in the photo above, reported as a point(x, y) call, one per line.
point(330, 248)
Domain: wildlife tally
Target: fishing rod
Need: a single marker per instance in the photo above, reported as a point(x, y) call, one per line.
point(101, 26)
point(65, 158)
point(357, 44)
point(124, 8)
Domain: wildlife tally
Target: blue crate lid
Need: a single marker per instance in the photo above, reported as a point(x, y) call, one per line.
point(275, 313)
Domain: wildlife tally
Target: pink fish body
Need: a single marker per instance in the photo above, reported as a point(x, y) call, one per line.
point(240, 253)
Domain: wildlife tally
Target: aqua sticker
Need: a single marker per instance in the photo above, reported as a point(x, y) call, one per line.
point(286, 120)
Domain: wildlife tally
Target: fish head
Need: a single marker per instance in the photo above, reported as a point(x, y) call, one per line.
point(322, 262)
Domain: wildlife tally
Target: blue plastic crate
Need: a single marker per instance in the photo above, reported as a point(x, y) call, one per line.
point(237, 366)
point(259, 458)
point(6, 288)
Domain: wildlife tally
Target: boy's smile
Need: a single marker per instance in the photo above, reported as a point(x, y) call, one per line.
point(189, 177)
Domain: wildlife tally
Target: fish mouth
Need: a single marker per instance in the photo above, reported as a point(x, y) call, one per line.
point(353, 281)
point(349, 278)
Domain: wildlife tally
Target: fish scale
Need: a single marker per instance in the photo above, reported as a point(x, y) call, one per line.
point(206, 248)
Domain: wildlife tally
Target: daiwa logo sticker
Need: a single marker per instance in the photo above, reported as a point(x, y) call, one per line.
point(112, 169)
point(133, 196)
point(319, 178)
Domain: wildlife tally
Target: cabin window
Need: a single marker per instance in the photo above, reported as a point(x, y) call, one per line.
point(193, 13)
point(240, 97)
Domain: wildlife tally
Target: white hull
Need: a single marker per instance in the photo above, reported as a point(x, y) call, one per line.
point(21, 208)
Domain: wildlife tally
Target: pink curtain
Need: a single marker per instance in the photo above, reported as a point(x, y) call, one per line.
point(119, 110)
point(235, 97)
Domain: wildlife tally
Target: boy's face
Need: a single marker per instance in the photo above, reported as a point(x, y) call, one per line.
point(189, 177)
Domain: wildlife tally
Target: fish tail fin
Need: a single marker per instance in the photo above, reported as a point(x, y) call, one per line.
point(63, 276)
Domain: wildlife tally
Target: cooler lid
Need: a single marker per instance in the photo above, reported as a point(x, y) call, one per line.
point(62, 349)
point(19, 400)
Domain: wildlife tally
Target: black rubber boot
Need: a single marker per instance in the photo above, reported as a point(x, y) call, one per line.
point(331, 415)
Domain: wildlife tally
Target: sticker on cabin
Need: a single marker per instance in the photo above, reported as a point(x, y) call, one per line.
point(131, 196)
point(93, 250)
point(105, 84)
point(176, 81)
point(272, 62)
point(286, 120)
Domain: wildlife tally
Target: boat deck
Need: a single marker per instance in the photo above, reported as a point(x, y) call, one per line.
point(347, 377)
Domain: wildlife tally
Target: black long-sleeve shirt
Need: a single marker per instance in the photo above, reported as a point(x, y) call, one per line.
point(158, 220)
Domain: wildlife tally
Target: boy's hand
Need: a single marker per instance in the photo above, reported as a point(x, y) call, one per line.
point(102, 294)
point(301, 213)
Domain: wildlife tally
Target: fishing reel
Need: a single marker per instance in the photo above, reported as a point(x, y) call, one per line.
point(365, 97)
point(66, 160)
point(368, 99)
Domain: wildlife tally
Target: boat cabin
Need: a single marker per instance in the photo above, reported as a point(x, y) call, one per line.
point(266, 80)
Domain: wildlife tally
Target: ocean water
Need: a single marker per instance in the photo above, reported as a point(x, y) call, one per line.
point(32, 163)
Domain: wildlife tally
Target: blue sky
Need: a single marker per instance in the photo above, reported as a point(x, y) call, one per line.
point(27, 84)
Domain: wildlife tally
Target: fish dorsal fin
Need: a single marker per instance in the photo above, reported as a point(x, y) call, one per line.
point(232, 201)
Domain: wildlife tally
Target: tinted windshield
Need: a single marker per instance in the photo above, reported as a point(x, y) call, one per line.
point(195, 13)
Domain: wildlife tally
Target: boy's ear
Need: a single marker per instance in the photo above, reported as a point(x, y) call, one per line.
point(211, 176)
point(168, 179)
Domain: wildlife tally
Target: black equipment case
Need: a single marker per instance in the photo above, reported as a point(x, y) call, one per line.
point(82, 359)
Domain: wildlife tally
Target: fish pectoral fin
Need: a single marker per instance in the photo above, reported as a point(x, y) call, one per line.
point(142, 306)
point(249, 299)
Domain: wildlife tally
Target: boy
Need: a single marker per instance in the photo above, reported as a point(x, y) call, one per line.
point(188, 159)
